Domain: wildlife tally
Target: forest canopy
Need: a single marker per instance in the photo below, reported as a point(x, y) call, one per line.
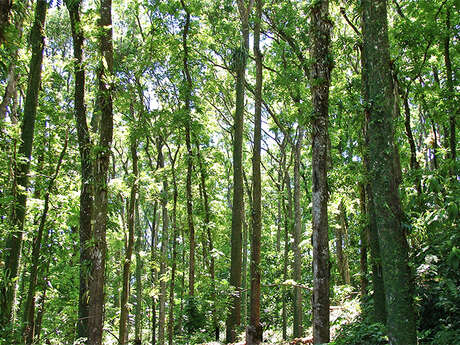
point(229, 172)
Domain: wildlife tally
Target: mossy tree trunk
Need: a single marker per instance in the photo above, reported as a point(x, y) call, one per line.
point(383, 177)
point(12, 255)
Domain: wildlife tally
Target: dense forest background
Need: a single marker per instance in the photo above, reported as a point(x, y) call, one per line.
point(191, 171)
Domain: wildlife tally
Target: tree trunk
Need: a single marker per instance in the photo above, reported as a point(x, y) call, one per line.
point(298, 328)
point(163, 250)
point(124, 311)
point(174, 250)
point(288, 222)
point(254, 331)
point(5, 8)
point(341, 234)
point(363, 238)
point(234, 318)
point(98, 248)
point(21, 179)
point(453, 112)
point(383, 181)
point(188, 124)
point(84, 145)
point(153, 271)
point(139, 292)
point(29, 309)
point(320, 80)
point(207, 224)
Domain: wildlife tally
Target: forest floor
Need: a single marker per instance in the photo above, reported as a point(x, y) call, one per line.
point(341, 314)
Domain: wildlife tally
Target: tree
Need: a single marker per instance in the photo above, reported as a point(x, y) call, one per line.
point(22, 167)
point(240, 58)
point(254, 330)
point(383, 177)
point(320, 81)
point(101, 165)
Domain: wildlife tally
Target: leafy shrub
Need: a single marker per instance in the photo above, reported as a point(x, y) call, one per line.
point(361, 332)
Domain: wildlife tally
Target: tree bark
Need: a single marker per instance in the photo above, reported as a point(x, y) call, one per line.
point(174, 249)
point(188, 124)
point(383, 180)
point(163, 250)
point(341, 233)
point(5, 8)
point(21, 180)
point(207, 224)
point(453, 111)
point(234, 318)
point(98, 248)
point(84, 145)
point(29, 309)
point(298, 327)
point(363, 238)
point(124, 311)
point(320, 80)
point(254, 331)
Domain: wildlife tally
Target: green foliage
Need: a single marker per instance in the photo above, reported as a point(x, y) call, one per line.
point(361, 332)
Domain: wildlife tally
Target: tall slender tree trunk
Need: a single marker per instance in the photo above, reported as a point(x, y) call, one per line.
point(234, 317)
point(139, 292)
point(363, 246)
point(320, 80)
point(163, 250)
point(124, 311)
point(29, 309)
point(174, 250)
point(298, 328)
point(98, 247)
point(341, 233)
point(153, 271)
point(383, 180)
point(84, 145)
point(188, 125)
point(453, 107)
point(288, 224)
point(21, 180)
point(207, 224)
point(254, 330)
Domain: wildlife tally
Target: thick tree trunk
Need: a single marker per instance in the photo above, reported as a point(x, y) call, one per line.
point(21, 180)
point(254, 330)
point(383, 180)
point(320, 80)
point(298, 314)
point(234, 318)
point(84, 145)
point(124, 311)
point(29, 309)
point(98, 248)
point(5, 8)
